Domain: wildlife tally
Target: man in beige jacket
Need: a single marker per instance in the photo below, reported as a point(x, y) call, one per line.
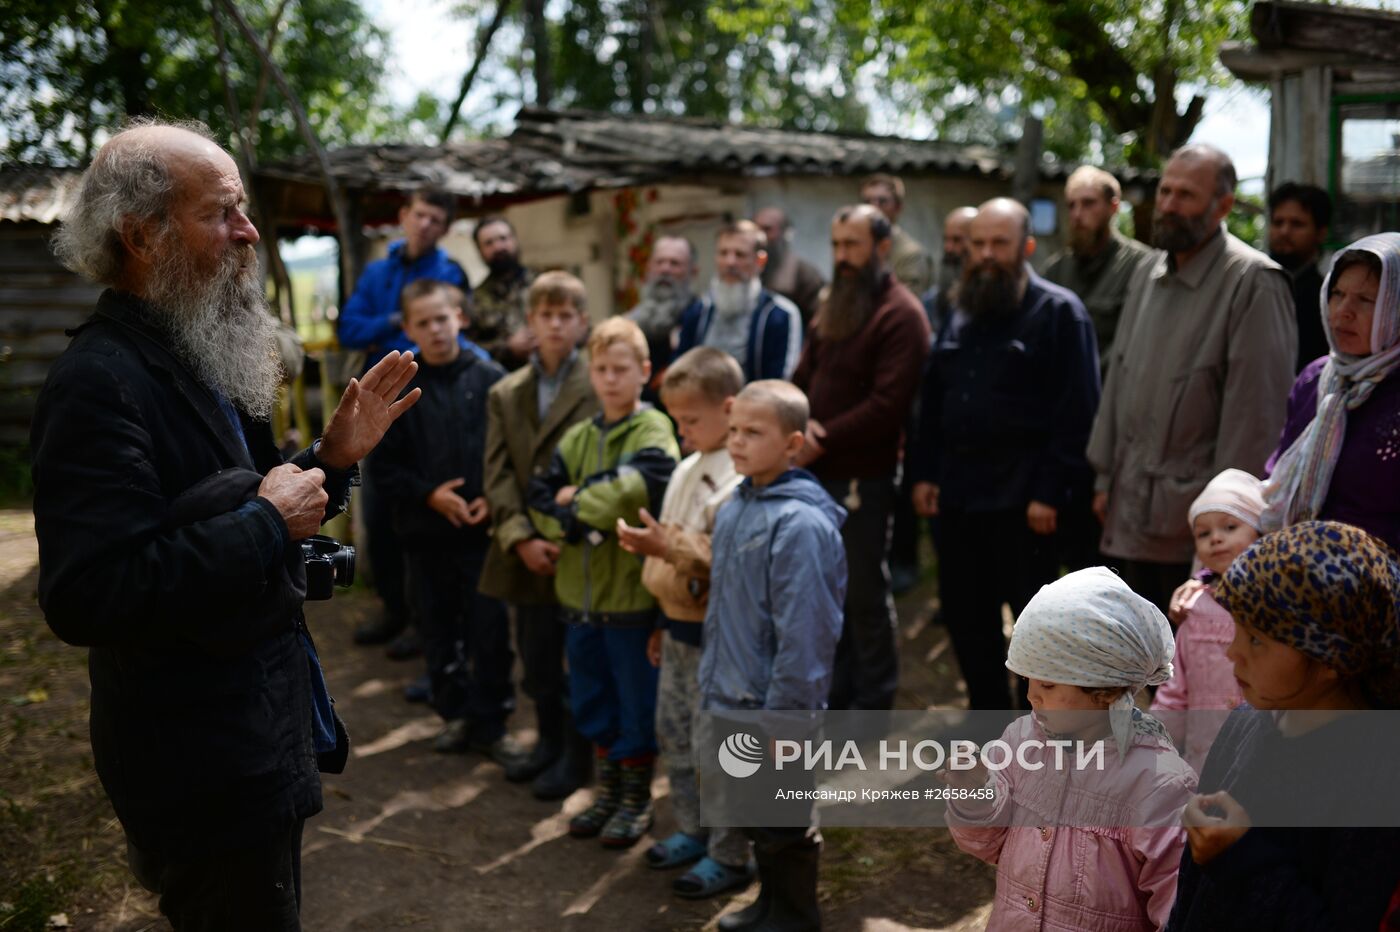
point(1197, 378)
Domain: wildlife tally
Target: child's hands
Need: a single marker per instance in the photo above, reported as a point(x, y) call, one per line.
point(654, 647)
point(1213, 823)
point(1183, 599)
point(565, 496)
point(538, 555)
point(649, 540)
point(478, 510)
point(450, 505)
point(973, 779)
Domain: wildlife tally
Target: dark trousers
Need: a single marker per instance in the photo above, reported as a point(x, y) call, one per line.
point(1155, 582)
point(988, 558)
point(904, 533)
point(539, 638)
point(612, 687)
point(257, 887)
point(866, 672)
point(466, 639)
point(386, 558)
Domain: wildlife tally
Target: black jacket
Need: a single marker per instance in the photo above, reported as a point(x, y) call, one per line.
point(441, 437)
point(1007, 406)
point(188, 596)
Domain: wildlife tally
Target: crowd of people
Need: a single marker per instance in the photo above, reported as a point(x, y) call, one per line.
point(694, 506)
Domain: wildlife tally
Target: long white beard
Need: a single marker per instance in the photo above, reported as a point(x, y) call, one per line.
point(734, 298)
point(220, 325)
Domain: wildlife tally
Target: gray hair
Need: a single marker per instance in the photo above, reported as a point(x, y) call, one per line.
point(129, 182)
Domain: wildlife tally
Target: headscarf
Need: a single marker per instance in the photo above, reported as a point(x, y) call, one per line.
point(1235, 492)
point(1299, 484)
point(1089, 629)
point(1328, 590)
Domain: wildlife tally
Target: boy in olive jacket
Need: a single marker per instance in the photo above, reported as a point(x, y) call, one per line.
point(527, 414)
point(607, 469)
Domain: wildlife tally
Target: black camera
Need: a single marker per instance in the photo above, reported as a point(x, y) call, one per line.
point(329, 563)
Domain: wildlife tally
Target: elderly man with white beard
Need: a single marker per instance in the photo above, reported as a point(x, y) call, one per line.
point(667, 293)
point(760, 329)
point(169, 532)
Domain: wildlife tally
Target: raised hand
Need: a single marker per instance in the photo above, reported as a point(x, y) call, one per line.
point(367, 409)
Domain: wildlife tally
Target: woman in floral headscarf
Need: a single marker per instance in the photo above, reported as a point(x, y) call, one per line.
point(1339, 456)
point(1279, 838)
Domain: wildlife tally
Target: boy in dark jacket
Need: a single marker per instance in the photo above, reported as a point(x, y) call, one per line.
point(778, 583)
point(431, 464)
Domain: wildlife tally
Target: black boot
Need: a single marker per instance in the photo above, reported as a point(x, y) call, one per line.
point(570, 771)
point(792, 875)
point(548, 749)
point(750, 916)
point(379, 630)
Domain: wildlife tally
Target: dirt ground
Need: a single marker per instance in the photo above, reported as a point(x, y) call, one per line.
point(410, 839)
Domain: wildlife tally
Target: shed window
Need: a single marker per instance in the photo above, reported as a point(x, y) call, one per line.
point(1366, 182)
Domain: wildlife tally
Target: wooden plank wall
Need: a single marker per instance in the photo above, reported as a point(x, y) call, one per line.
point(39, 299)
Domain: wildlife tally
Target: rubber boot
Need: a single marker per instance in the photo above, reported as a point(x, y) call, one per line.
point(750, 916)
point(793, 878)
point(633, 816)
point(548, 749)
point(606, 798)
point(570, 770)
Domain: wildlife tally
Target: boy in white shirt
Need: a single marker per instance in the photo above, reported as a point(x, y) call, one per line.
point(698, 391)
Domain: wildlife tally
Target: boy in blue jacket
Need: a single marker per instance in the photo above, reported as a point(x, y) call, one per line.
point(778, 584)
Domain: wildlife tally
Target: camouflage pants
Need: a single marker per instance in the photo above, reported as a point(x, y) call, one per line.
point(677, 704)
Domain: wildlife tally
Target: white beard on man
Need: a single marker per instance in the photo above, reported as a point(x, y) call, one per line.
point(219, 324)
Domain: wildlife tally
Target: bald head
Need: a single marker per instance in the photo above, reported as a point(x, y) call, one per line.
point(956, 227)
point(130, 192)
point(1198, 153)
point(1002, 211)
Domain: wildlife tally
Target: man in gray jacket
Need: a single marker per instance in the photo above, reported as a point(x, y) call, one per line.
point(1197, 378)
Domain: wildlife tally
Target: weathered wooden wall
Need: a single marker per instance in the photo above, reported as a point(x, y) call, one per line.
point(39, 300)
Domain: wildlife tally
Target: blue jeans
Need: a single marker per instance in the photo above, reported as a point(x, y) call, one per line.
point(612, 688)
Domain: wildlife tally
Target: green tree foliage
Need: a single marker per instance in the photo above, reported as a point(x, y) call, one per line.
point(71, 70)
point(671, 56)
point(1107, 76)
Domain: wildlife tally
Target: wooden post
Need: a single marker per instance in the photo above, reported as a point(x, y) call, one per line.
point(1027, 177)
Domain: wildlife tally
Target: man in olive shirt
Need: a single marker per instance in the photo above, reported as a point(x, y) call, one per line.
point(1100, 261)
point(1198, 374)
point(909, 260)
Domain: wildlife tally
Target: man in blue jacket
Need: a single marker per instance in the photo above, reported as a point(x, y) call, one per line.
point(371, 320)
point(1009, 398)
point(760, 329)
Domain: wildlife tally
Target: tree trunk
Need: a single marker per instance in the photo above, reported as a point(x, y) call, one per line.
point(539, 46)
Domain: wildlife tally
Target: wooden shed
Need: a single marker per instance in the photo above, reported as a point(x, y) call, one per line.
point(1334, 79)
point(590, 191)
point(39, 299)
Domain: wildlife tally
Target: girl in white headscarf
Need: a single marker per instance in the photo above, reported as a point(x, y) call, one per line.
point(1082, 848)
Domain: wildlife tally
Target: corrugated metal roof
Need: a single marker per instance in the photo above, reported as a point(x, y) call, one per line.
point(38, 194)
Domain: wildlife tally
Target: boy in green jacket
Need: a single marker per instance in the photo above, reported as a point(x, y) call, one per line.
point(606, 469)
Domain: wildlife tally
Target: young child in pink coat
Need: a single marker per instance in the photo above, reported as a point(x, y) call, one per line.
point(1193, 704)
point(1091, 850)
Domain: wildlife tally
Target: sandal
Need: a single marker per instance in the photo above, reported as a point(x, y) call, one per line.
point(710, 877)
point(679, 849)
